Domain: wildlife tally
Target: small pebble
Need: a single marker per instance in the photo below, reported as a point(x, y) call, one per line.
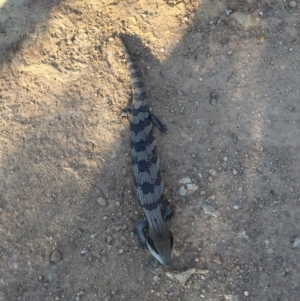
point(179, 92)
point(121, 251)
point(209, 210)
point(200, 79)
point(235, 172)
point(293, 4)
point(193, 156)
point(213, 102)
point(83, 252)
point(202, 192)
point(291, 189)
point(102, 201)
point(211, 122)
point(229, 52)
point(55, 256)
point(218, 258)
point(182, 191)
point(185, 180)
point(225, 159)
point(109, 239)
point(118, 227)
point(246, 293)
point(191, 188)
point(93, 236)
point(290, 108)
point(296, 242)
point(210, 179)
point(213, 172)
point(236, 207)
point(78, 295)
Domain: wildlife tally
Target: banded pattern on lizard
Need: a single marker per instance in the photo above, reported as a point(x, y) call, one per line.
point(146, 171)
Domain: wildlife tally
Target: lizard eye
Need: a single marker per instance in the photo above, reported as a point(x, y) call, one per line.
point(151, 245)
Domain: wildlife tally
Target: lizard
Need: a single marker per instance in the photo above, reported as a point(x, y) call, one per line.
point(146, 171)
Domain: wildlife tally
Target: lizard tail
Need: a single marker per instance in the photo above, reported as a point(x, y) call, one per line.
point(137, 84)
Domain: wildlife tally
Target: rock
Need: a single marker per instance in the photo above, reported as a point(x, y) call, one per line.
point(79, 295)
point(209, 210)
point(118, 227)
point(213, 172)
point(184, 276)
point(55, 256)
point(191, 188)
point(102, 201)
point(51, 276)
point(182, 191)
point(296, 242)
point(93, 236)
point(185, 180)
point(83, 252)
point(293, 4)
point(213, 99)
point(217, 258)
point(109, 239)
point(236, 207)
point(179, 92)
point(242, 18)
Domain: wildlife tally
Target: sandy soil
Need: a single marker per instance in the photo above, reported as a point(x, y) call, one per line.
point(223, 76)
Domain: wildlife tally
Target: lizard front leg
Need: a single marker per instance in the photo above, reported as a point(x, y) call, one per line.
point(140, 233)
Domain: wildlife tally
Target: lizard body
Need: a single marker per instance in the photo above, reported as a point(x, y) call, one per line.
point(146, 171)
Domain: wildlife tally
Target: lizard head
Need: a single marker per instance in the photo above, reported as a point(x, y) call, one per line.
point(160, 246)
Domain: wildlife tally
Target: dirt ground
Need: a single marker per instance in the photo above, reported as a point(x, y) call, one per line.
point(224, 77)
